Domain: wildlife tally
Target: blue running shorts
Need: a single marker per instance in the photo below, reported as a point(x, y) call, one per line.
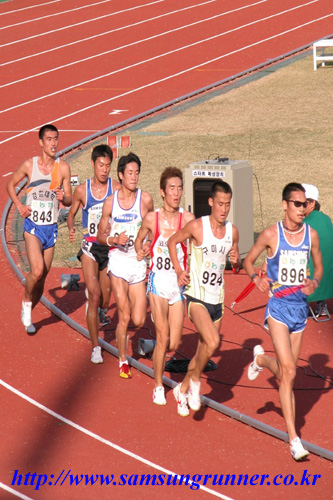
point(47, 234)
point(292, 314)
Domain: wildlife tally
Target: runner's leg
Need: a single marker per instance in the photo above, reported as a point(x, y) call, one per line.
point(209, 341)
point(286, 370)
point(105, 284)
point(138, 303)
point(120, 289)
point(90, 276)
point(160, 310)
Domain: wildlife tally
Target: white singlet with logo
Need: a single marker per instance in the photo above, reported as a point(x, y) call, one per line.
point(128, 220)
point(207, 265)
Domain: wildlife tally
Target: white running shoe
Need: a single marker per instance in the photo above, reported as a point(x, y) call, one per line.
point(31, 329)
point(254, 370)
point(26, 313)
point(96, 355)
point(159, 396)
point(296, 449)
point(182, 408)
point(194, 395)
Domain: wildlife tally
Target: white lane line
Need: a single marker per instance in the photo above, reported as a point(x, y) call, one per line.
point(56, 14)
point(82, 40)
point(102, 440)
point(37, 127)
point(145, 61)
point(88, 21)
point(14, 492)
point(137, 42)
point(29, 7)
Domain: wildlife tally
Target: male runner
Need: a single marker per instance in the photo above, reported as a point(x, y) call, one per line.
point(289, 244)
point(93, 256)
point(165, 296)
point(125, 210)
point(49, 183)
point(213, 240)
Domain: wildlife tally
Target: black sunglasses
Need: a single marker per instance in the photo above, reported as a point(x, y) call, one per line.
point(299, 204)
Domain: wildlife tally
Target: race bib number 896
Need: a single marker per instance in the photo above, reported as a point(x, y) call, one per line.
point(292, 270)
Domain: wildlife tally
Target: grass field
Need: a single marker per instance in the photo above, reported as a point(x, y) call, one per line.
point(279, 119)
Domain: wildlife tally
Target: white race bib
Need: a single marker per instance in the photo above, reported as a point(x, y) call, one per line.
point(42, 212)
point(292, 269)
point(212, 275)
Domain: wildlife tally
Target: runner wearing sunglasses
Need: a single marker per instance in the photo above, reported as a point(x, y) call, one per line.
point(289, 244)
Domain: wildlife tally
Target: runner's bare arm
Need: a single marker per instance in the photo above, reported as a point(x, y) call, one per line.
point(115, 185)
point(311, 285)
point(78, 199)
point(187, 217)
point(103, 227)
point(64, 194)
point(191, 231)
point(143, 248)
point(266, 239)
point(234, 256)
point(23, 171)
point(147, 204)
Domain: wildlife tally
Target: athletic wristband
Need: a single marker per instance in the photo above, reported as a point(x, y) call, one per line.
point(108, 244)
point(253, 276)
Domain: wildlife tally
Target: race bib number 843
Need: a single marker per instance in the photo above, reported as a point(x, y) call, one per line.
point(42, 212)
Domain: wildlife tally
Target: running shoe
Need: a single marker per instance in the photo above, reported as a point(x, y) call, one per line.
point(125, 371)
point(26, 313)
point(96, 355)
point(254, 370)
point(31, 329)
point(159, 396)
point(298, 452)
point(104, 319)
point(182, 408)
point(194, 395)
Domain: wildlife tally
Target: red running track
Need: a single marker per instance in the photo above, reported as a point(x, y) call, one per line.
point(74, 64)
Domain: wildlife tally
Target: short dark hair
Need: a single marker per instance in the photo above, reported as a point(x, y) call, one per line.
point(168, 173)
point(45, 128)
point(289, 188)
point(124, 160)
point(220, 187)
point(101, 151)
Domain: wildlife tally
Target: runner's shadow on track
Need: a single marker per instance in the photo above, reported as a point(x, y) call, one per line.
point(231, 367)
point(67, 400)
point(307, 390)
point(51, 320)
point(317, 377)
point(68, 301)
